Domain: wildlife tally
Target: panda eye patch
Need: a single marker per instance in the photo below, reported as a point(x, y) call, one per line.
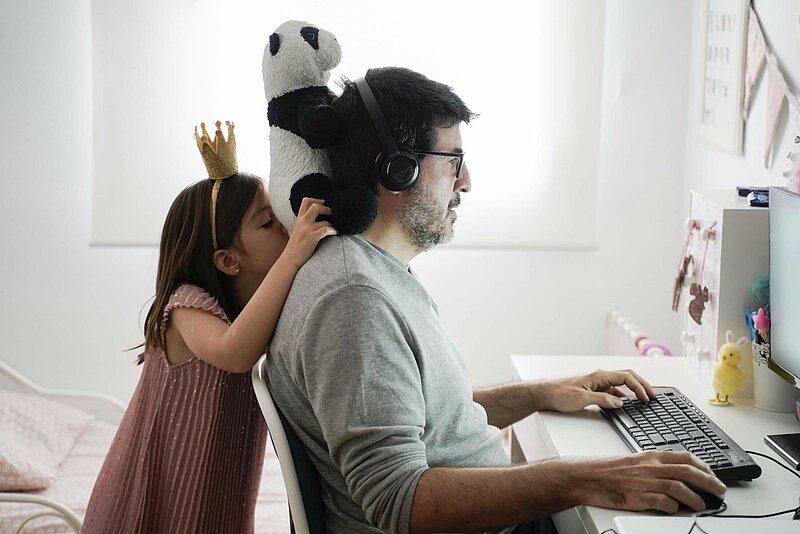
point(311, 36)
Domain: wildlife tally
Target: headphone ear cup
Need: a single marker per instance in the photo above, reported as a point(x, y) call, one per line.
point(399, 172)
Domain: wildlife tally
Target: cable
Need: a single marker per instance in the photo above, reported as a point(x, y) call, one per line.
point(792, 471)
point(696, 525)
point(724, 507)
point(698, 515)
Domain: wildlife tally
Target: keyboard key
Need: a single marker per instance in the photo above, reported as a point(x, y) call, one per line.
point(672, 422)
point(671, 438)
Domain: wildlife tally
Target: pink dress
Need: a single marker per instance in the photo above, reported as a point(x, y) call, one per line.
point(187, 456)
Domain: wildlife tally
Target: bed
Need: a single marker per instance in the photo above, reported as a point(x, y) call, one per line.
point(59, 508)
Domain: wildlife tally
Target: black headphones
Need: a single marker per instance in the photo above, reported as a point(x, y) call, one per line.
point(398, 167)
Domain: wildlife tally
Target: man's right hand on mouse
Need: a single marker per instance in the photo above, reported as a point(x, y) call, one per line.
point(652, 480)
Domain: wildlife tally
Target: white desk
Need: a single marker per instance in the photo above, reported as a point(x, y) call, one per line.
point(552, 435)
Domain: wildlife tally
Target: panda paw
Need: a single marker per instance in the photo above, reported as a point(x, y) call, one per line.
point(320, 126)
point(354, 208)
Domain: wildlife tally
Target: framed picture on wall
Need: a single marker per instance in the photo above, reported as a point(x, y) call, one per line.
point(724, 39)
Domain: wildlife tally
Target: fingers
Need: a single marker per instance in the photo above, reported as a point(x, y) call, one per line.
point(663, 480)
point(617, 392)
point(607, 400)
point(640, 387)
point(306, 203)
point(668, 495)
point(687, 468)
point(310, 208)
point(651, 393)
point(687, 458)
point(325, 230)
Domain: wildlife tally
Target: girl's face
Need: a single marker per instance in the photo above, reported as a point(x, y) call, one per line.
point(261, 239)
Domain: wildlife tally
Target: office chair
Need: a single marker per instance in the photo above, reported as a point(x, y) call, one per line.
point(299, 475)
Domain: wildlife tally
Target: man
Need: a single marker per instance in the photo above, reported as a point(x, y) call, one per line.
point(379, 395)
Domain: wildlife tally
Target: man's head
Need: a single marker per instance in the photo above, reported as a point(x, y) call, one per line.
point(423, 116)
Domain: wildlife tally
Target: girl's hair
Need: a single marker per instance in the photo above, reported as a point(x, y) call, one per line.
point(186, 251)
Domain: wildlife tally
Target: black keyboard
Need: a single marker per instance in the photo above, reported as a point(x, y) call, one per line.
point(671, 422)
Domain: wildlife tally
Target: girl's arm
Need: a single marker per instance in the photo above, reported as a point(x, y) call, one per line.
point(236, 348)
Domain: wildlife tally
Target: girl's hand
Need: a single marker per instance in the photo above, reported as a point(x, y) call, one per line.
point(307, 231)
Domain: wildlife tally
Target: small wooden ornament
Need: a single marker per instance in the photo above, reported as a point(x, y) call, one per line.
point(698, 303)
point(679, 280)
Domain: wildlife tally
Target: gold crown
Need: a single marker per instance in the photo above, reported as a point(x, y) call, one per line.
point(218, 155)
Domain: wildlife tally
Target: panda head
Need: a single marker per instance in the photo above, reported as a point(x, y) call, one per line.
point(298, 55)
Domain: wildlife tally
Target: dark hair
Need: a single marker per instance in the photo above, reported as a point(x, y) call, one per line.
point(413, 106)
point(186, 251)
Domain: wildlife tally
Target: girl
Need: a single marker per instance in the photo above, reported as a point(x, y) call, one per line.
point(187, 456)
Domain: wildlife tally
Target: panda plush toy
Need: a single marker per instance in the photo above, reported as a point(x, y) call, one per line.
point(296, 67)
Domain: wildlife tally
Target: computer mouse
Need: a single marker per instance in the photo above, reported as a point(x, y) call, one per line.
point(713, 501)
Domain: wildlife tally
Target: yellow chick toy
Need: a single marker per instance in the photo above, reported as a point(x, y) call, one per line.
point(727, 375)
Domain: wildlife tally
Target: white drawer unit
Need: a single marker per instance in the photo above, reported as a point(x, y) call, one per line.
point(734, 238)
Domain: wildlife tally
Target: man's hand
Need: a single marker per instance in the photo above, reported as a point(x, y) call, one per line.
point(652, 480)
point(599, 387)
point(463, 499)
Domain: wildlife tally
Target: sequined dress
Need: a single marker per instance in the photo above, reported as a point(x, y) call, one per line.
point(187, 456)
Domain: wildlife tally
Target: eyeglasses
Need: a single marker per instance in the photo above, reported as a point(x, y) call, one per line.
point(459, 155)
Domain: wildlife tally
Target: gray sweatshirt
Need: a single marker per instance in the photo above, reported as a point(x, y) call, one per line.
point(366, 375)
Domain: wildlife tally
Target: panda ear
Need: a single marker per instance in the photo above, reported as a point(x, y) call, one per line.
point(274, 43)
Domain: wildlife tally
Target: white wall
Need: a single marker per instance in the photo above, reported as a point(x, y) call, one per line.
point(710, 168)
point(67, 310)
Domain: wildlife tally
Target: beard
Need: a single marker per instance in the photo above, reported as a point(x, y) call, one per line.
point(423, 220)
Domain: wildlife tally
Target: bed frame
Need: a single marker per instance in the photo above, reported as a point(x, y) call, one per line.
point(103, 407)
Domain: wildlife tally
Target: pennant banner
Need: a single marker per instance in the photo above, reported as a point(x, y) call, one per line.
point(755, 59)
point(759, 53)
point(776, 92)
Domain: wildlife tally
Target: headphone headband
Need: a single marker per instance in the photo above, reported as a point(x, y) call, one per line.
point(378, 120)
point(397, 168)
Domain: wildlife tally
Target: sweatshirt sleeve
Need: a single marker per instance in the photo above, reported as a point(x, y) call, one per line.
point(361, 377)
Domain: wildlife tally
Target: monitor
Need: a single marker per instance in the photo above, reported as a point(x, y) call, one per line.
point(784, 303)
point(784, 283)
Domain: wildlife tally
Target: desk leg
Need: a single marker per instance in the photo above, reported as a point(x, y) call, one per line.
point(527, 443)
point(528, 446)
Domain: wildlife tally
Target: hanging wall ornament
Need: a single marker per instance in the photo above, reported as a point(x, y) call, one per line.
point(700, 292)
point(755, 59)
point(776, 92)
point(683, 265)
point(682, 271)
point(793, 174)
point(698, 304)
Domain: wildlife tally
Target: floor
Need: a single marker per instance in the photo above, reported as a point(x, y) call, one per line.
point(272, 509)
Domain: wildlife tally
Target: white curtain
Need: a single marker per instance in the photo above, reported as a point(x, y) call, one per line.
point(531, 70)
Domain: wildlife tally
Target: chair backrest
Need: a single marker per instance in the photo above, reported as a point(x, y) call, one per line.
point(299, 475)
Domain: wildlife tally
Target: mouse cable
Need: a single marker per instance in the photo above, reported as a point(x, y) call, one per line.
point(696, 526)
point(768, 457)
point(724, 507)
